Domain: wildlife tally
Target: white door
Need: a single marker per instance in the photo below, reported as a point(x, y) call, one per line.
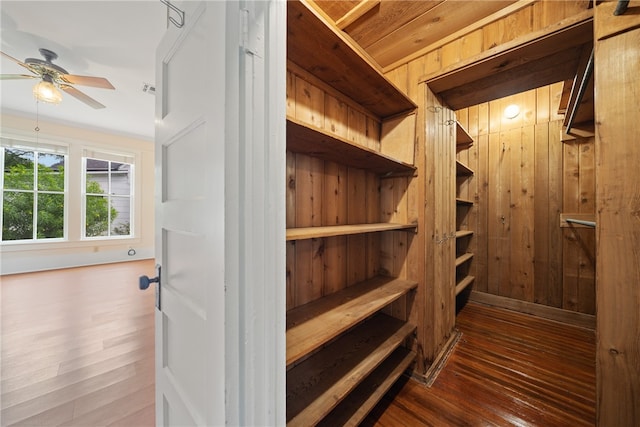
point(189, 151)
point(219, 156)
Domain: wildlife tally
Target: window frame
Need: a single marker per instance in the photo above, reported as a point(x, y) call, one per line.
point(124, 158)
point(37, 148)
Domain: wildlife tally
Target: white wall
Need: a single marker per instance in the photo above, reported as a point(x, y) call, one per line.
point(25, 257)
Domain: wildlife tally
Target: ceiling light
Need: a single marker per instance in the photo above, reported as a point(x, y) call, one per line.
point(46, 91)
point(512, 111)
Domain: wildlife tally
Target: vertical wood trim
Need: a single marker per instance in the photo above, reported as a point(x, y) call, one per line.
point(570, 247)
point(587, 237)
point(480, 236)
point(541, 212)
point(553, 215)
point(617, 82)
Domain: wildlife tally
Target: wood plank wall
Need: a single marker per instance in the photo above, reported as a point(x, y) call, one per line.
point(328, 193)
point(617, 60)
point(507, 265)
point(525, 176)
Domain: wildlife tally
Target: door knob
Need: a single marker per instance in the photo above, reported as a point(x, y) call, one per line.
point(145, 281)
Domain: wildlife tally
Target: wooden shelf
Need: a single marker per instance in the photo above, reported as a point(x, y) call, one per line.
point(460, 286)
point(463, 233)
point(462, 136)
point(319, 47)
point(311, 325)
point(344, 230)
point(302, 138)
point(464, 202)
point(351, 411)
point(462, 170)
point(463, 258)
point(536, 59)
point(318, 384)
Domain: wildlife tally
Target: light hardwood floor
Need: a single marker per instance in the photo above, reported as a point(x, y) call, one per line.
point(77, 350)
point(77, 347)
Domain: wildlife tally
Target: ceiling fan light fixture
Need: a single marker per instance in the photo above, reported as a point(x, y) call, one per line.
point(46, 91)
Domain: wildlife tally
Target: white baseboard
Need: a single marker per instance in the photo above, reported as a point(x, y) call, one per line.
point(26, 263)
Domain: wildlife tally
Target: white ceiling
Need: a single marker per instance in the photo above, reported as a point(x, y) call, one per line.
point(111, 39)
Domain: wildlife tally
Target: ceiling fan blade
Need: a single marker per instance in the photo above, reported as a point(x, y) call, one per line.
point(16, 76)
point(15, 60)
point(81, 96)
point(100, 82)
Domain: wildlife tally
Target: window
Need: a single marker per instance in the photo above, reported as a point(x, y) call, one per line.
point(33, 192)
point(108, 198)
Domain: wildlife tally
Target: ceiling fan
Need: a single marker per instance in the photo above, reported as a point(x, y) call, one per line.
point(53, 77)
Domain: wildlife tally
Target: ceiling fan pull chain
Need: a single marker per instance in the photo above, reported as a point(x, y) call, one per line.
point(37, 128)
point(170, 18)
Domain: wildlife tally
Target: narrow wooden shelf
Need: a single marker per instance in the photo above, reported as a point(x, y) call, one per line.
point(463, 233)
point(318, 384)
point(463, 258)
point(462, 136)
point(319, 47)
point(464, 202)
point(343, 230)
point(301, 138)
point(351, 411)
point(463, 170)
point(311, 325)
point(460, 286)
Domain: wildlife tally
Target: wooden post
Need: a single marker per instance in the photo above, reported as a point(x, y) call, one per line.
point(617, 82)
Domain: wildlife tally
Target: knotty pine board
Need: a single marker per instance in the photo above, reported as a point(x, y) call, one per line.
point(544, 182)
point(329, 193)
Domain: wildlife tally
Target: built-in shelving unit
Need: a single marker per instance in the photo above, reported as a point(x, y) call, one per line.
point(463, 256)
point(342, 352)
point(317, 384)
point(311, 325)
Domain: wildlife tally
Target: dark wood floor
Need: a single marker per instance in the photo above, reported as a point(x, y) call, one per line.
point(508, 369)
point(77, 349)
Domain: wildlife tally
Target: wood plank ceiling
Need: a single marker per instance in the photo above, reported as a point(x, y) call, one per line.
point(390, 30)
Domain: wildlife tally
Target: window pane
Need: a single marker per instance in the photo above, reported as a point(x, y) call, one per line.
point(97, 220)
point(97, 176)
point(50, 172)
point(50, 216)
point(17, 216)
point(121, 179)
point(18, 169)
point(121, 225)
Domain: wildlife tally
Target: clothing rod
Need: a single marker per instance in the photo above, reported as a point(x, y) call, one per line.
point(581, 222)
